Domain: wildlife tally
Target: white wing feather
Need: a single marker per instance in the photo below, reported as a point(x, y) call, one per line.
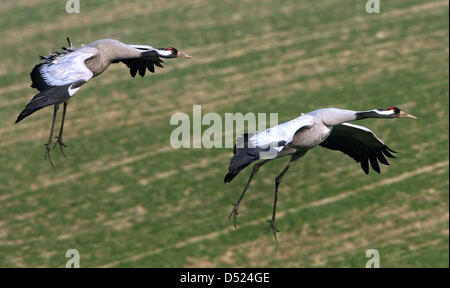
point(364, 129)
point(68, 68)
point(281, 133)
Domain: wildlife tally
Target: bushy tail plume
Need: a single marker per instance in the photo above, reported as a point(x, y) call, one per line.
point(242, 158)
point(51, 96)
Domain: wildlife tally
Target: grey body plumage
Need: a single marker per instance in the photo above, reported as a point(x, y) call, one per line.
point(325, 127)
point(63, 73)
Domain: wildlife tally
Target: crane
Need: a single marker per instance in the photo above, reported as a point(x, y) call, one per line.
point(325, 127)
point(62, 74)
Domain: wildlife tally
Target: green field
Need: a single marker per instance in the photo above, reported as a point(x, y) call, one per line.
point(124, 197)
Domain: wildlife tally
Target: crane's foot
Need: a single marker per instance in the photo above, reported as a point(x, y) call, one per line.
point(47, 153)
point(61, 145)
point(234, 213)
point(274, 229)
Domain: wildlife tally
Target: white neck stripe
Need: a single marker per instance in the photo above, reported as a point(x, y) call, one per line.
point(386, 112)
point(164, 52)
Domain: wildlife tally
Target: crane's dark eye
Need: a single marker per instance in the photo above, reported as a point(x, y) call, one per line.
point(395, 109)
point(174, 50)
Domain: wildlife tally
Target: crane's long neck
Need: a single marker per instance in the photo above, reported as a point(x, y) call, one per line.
point(165, 53)
point(375, 113)
point(113, 50)
point(333, 116)
point(109, 51)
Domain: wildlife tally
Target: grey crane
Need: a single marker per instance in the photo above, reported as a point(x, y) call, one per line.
point(62, 74)
point(325, 127)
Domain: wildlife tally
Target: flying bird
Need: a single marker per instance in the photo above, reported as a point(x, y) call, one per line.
point(62, 74)
point(324, 127)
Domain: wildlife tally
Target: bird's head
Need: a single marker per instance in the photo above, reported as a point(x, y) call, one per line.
point(172, 52)
point(396, 112)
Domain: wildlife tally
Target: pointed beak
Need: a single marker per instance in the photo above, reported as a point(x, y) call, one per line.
point(406, 115)
point(183, 55)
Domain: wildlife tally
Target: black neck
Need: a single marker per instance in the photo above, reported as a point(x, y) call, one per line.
point(370, 114)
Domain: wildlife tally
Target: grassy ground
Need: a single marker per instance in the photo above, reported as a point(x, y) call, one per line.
point(123, 197)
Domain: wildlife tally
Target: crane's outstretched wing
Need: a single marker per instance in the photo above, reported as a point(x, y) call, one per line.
point(58, 79)
point(360, 143)
point(148, 61)
point(281, 135)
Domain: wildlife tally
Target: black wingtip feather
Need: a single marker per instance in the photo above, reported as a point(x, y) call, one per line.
point(142, 69)
point(229, 177)
point(388, 154)
point(393, 151)
point(374, 164)
point(365, 165)
point(382, 159)
point(151, 67)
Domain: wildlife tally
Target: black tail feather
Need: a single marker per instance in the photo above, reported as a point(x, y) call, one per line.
point(241, 159)
point(54, 95)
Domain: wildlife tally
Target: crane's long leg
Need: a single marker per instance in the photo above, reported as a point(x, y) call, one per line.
point(277, 184)
point(59, 137)
point(47, 146)
point(255, 169)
